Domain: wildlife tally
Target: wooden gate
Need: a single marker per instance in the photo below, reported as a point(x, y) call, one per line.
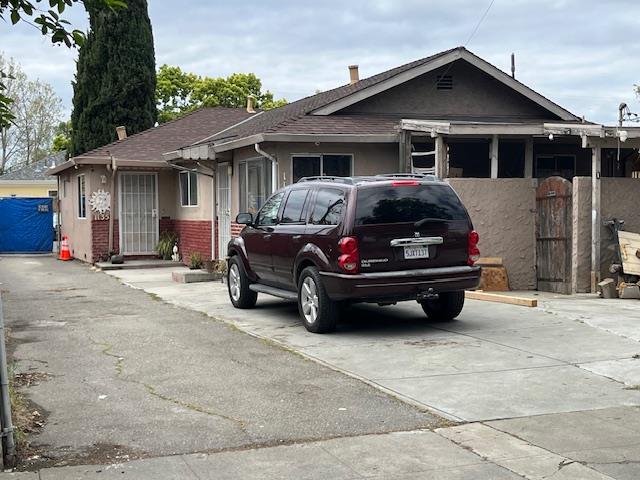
point(553, 235)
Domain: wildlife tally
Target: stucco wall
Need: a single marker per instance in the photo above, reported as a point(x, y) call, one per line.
point(620, 198)
point(79, 229)
point(502, 213)
point(368, 159)
point(581, 235)
point(474, 94)
point(204, 209)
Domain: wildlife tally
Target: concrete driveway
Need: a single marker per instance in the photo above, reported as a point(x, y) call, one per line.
point(563, 377)
point(122, 375)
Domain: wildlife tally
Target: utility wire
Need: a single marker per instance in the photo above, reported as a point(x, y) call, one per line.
point(479, 23)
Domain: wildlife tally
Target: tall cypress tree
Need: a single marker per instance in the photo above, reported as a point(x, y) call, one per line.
point(116, 76)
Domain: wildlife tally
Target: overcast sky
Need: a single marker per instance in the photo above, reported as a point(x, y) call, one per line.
point(583, 54)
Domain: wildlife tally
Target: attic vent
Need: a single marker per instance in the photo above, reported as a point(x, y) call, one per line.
point(444, 82)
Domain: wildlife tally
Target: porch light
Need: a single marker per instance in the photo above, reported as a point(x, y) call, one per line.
point(551, 136)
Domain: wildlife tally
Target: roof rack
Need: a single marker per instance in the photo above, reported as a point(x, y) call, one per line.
point(324, 178)
point(423, 176)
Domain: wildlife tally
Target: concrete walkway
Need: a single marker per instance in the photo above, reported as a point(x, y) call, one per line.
point(473, 452)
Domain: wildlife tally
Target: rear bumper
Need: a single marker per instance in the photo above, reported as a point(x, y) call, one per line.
point(399, 285)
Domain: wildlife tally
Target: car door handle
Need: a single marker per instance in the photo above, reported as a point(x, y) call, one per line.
point(267, 236)
point(297, 237)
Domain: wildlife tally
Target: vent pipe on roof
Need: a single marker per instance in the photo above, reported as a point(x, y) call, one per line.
point(251, 100)
point(354, 74)
point(122, 132)
point(513, 65)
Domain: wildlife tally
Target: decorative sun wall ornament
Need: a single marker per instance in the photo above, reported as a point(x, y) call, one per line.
point(100, 201)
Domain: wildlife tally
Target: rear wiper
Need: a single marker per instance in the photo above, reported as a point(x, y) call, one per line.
point(424, 221)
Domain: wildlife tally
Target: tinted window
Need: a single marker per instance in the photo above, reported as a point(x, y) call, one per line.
point(329, 207)
point(336, 165)
point(294, 206)
point(400, 204)
point(269, 212)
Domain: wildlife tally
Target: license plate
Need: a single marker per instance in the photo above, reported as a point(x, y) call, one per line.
point(416, 252)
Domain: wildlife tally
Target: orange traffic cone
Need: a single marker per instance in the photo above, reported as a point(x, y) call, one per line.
point(65, 254)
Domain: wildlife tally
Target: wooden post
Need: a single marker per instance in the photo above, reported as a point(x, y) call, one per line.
point(528, 158)
point(404, 152)
point(596, 157)
point(441, 159)
point(495, 142)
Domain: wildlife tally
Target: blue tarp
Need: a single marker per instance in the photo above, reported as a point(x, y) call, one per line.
point(26, 225)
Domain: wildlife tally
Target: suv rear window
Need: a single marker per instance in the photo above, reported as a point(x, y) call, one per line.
point(404, 204)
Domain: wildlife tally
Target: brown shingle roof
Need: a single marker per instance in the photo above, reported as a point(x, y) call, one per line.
point(277, 119)
point(150, 144)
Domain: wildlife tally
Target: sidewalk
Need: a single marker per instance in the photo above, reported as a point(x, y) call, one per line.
point(473, 451)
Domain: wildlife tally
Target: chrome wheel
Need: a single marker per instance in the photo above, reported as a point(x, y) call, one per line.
point(234, 282)
point(309, 300)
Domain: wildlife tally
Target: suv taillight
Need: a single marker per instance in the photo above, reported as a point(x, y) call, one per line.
point(349, 260)
point(474, 252)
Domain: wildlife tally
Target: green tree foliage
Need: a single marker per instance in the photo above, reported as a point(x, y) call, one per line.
point(62, 138)
point(49, 22)
point(116, 78)
point(34, 109)
point(181, 92)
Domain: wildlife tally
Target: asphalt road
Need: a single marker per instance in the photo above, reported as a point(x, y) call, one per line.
point(129, 376)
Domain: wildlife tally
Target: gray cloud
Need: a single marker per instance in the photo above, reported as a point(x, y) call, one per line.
point(581, 54)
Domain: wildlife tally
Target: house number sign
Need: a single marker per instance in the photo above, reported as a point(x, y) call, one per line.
point(100, 203)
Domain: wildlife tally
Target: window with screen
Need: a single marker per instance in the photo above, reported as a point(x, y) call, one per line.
point(316, 165)
point(295, 205)
point(329, 207)
point(189, 189)
point(82, 197)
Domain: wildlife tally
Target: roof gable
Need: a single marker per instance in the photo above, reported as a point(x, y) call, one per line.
point(457, 91)
point(440, 61)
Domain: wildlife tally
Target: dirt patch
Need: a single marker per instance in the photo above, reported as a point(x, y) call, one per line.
point(97, 454)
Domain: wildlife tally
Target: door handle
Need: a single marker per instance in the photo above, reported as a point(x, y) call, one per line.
point(267, 236)
point(296, 237)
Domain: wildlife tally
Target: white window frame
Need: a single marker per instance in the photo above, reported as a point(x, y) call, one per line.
point(321, 156)
point(267, 178)
point(188, 174)
point(79, 198)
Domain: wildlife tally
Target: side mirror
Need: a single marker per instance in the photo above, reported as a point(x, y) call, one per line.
point(244, 219)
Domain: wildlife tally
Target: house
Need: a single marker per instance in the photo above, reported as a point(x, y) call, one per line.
point(455, 115)
point(32, 180)
point(122, 196)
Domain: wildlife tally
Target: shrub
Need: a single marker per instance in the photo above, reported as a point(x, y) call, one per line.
point(164, 248)
point(195, 260)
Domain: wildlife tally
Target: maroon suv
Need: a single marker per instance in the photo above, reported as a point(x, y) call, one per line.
point(329, 241)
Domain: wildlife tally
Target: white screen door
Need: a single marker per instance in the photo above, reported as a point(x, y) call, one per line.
point(223, 182)
point(138, 213)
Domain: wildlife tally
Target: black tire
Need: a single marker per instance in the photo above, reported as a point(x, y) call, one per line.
point(327, 311)
point(447, 307)
point(244, 297)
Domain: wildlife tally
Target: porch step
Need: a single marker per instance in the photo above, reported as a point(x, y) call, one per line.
point(134, 264)
point(276, 292)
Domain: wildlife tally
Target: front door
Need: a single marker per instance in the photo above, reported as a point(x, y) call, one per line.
point(553, 235)
point(223, 195)
point(138, 222)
